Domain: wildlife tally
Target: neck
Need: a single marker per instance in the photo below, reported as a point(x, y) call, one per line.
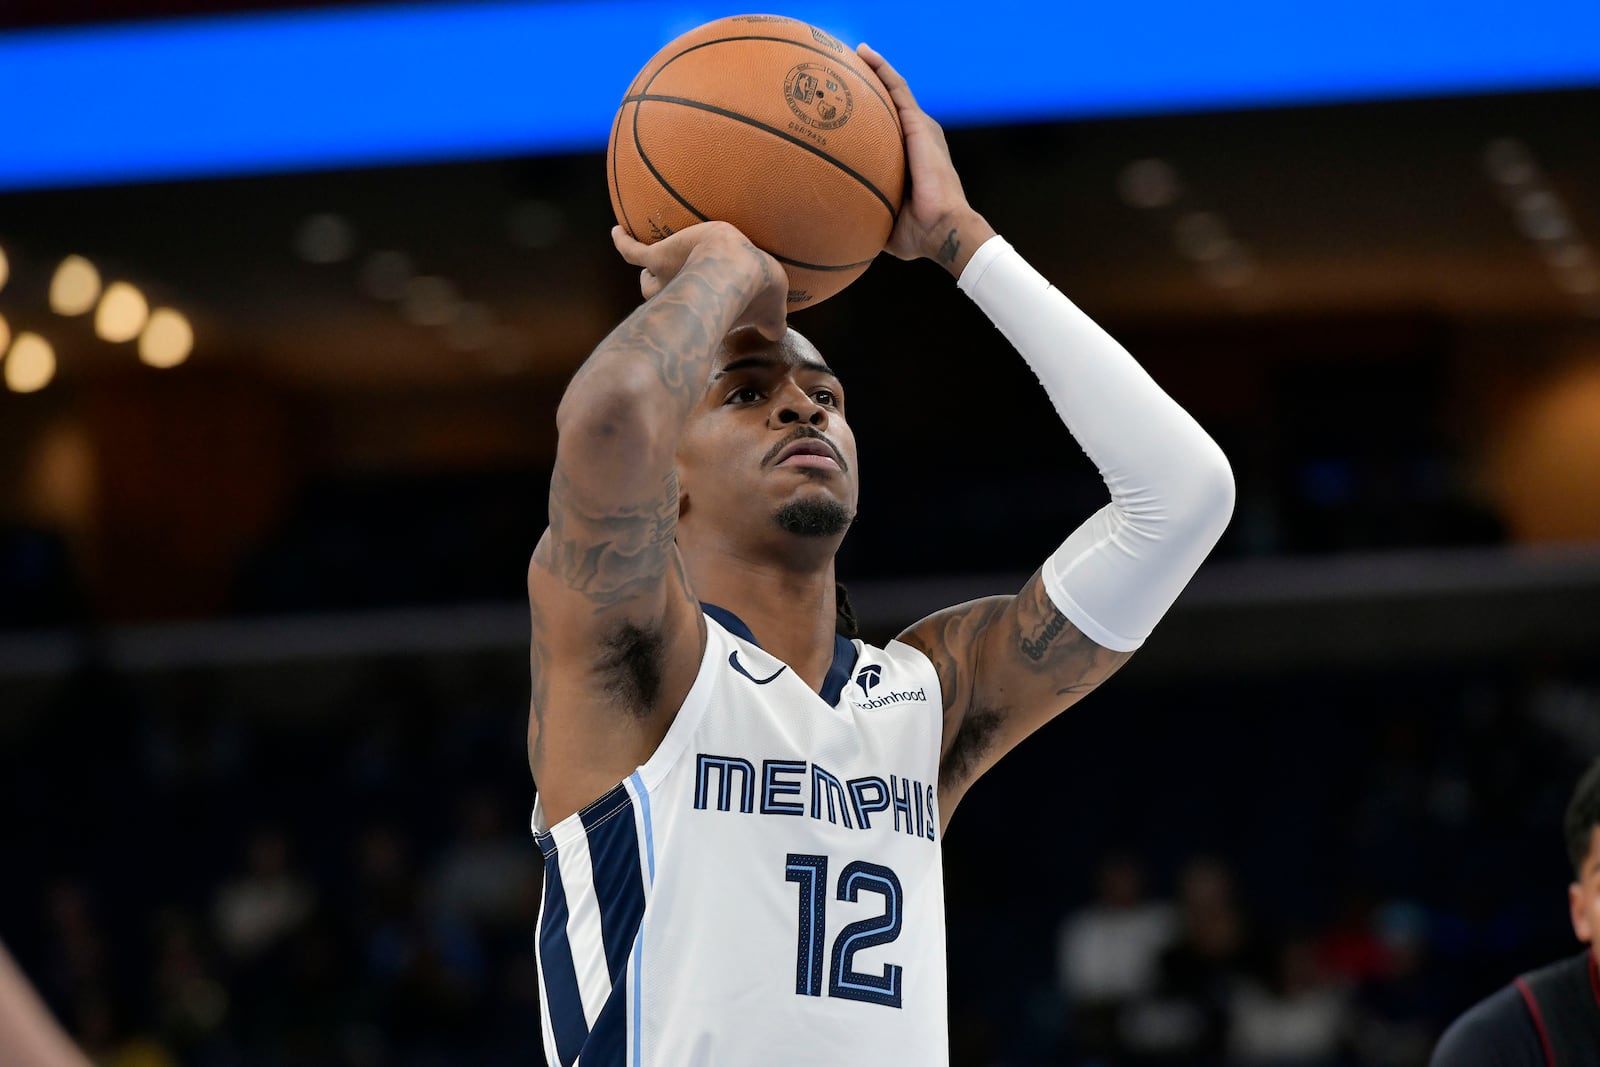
point(791, 612)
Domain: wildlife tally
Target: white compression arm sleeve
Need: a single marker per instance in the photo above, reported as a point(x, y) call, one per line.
point(1171, 487)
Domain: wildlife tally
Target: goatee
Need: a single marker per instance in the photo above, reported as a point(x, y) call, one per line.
point(814, 517)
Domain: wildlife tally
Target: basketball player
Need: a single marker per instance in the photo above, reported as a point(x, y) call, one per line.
point(740, 807)
point(1550, 1017)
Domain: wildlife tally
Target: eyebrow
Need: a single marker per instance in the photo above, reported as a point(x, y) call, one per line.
point(767, 363)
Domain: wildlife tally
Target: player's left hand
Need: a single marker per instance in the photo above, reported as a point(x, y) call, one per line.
point(936, 204)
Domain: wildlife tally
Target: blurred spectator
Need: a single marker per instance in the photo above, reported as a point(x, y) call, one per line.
point(1351, 949)
point(1185, 1020)
point(1297, 1018)
point(484, 876)
point(1108, 952)
point(425, 970)
point(256, 912)
point(1402, 1008)
point(191, 1003)
point(77, 966)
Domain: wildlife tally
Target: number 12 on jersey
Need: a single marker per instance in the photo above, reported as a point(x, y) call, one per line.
point(844, 981)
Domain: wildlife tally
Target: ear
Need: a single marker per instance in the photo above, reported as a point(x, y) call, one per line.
point(1581, 924)
point(681, 475)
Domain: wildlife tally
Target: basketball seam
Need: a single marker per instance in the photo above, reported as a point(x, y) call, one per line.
point(644, 158)
point(819, 266)
point(616, 134)
point(893, 112)
point(894, 215)
point(785, 260)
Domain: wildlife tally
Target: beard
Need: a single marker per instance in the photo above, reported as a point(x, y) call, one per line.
point(814, 517)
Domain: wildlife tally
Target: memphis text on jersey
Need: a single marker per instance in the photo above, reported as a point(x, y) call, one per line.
point(807, 790)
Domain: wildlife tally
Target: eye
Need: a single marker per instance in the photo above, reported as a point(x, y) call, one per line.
point(748, 394)
point(825, 397)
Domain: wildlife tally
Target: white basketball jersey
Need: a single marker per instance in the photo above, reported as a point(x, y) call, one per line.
point(767, 888)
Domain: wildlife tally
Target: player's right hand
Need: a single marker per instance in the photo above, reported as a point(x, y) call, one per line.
point(732, 262)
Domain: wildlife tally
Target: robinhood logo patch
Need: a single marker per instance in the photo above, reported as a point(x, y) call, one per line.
point(868, 678)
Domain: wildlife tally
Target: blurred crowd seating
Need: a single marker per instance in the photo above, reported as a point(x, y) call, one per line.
point(1314, 871)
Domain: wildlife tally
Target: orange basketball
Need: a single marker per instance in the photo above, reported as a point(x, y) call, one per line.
point(770, 124)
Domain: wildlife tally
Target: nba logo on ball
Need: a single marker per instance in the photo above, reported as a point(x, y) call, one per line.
point(818, 96)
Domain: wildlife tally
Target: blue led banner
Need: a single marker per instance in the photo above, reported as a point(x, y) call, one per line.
point(379, 85)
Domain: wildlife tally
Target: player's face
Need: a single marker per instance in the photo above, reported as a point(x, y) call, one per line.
point(768, 437)
point(1584, 895)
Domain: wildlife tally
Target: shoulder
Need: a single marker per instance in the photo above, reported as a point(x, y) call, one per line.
point(901, 654)
point(1570, 973)
point(1498, 1031)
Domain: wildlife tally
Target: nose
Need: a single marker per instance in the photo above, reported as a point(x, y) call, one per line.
point(795, 405)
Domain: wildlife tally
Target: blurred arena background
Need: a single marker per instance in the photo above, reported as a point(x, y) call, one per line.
point(262, 634)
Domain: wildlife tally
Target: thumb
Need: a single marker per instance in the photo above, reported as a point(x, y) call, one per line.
point(774, 324)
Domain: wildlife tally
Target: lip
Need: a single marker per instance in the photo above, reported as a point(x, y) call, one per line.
point(810, 452)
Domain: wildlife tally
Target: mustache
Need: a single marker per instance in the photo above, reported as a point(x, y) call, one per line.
point(801, 433)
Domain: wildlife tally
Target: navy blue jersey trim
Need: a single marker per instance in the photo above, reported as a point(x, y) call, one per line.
point(730, 622)
point(608, 1041)
point(567, 1021)
point(590, 814)
point(844, 652)
point(844, 665)
point(618, 883)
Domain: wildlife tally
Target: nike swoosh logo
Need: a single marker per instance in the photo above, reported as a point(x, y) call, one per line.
point(733, 661)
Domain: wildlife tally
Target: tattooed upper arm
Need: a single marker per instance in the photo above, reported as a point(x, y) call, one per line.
point(1006, 666)
point(611, 602)
point(615, 642)
point(608, 553)
point(613, 495)
point(612, 574)
point(617, 633)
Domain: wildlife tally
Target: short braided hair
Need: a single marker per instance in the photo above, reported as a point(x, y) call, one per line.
point(844, 620)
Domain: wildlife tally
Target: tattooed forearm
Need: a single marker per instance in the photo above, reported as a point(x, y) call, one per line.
point(677, 332)
point(674, 334)
point(613, 498)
